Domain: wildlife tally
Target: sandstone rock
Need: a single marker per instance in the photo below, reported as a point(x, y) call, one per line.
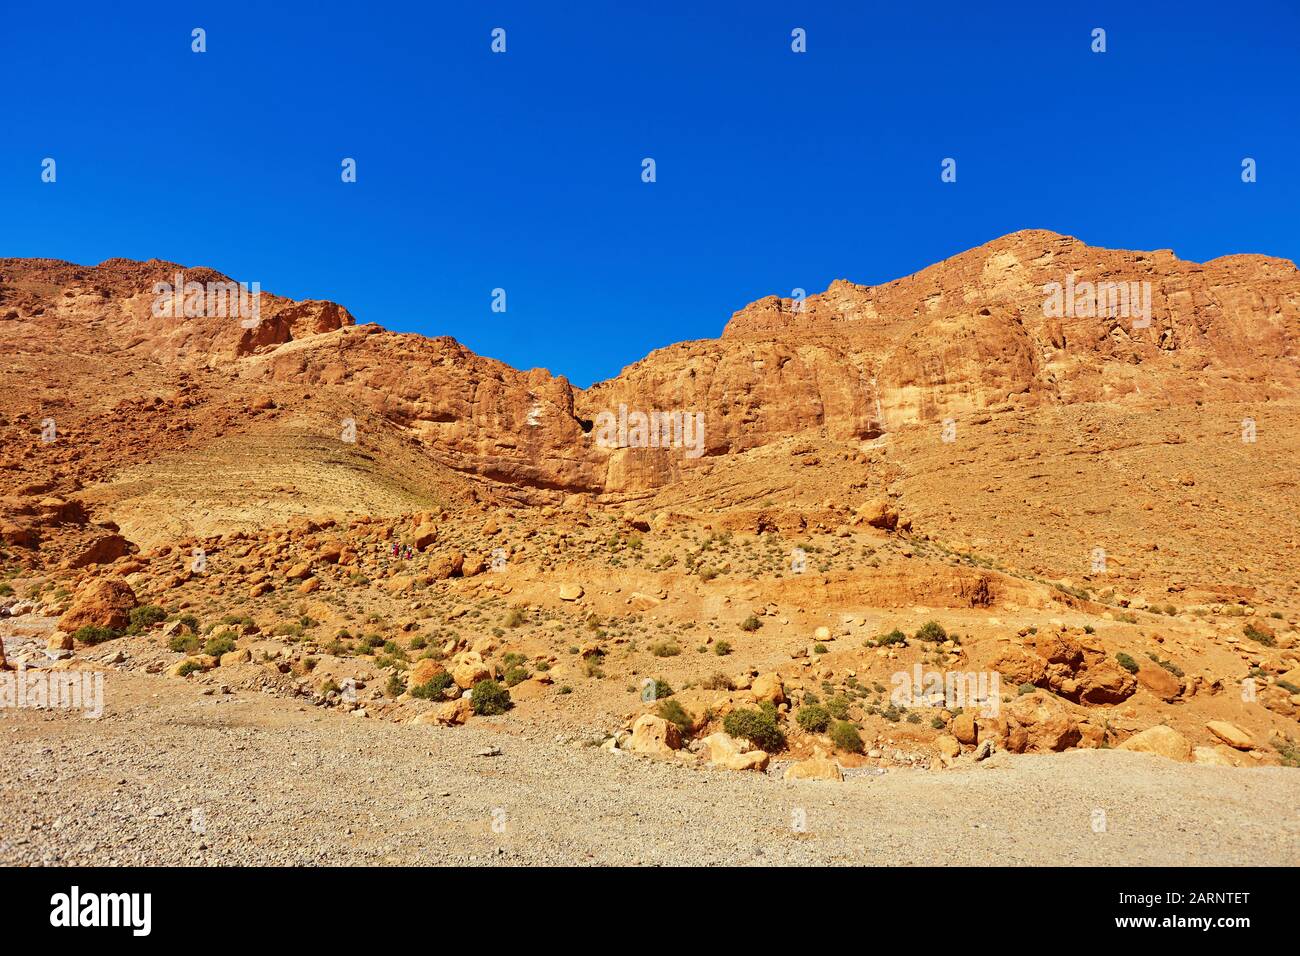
point(1106, 683)
point(468, 668)
point(964, 729)
point(1039, 723)
point(726, 751)
point(240, 655)
point(654, 736)
point(1210, 757)
point(1159, 681)
point(1230, 734)
point(299, 572)
point(947, 745)
point(1162, 741)
point(817, 767)
point(104, 549)
point(101, 602)
point(768, 687)
point(423, 671)
point(447, 565)
point(59, 641)
point(570, 592)
point(454, 712)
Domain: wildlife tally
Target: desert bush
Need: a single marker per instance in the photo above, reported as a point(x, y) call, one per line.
point(219, 644)
point(932, 632)
point(813, 718)
point(144, 617)
point(717, 681)
point(396, 685)
point(893, 637)
point(757, 726)
point(673, 712)
point(1126, 661)
point(1260, 637)
point(188, 668)
point(751, 623)
point(489, 698)
point(515, 617)
point(665, 649)
point(722, 648)
point(846, 737)
point(93, 634)
point(433, 689)
point(184, 643)
point(838, 707)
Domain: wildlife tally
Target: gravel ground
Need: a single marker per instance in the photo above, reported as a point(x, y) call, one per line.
point(169, 776)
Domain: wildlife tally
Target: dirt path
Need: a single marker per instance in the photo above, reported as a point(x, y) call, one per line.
point(279, 783)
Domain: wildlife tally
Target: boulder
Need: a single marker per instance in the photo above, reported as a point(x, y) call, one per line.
point(446, 565)
point(423, 671)
point(768, 687)
point(1230, 734)
point(1160, 740)
point(468, 668)
point(1159, 681)
point(726, 751)
point(654, 736)
point(101, 602)
point(964, 728)
point(241, 655)
point(1039, 723)
point(1211, 757)
point(570, 592)
point(820, 766)
point(104, 549)
point(1106, 683)
point(947, 745)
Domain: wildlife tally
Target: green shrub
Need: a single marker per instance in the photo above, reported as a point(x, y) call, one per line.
point(219, 644)
point(1027, 688)
point(515, 675)
point(846, 737)
point(661, 689)
point(931, 631)
point(396, 685)
point(145, 616)
point(93, 634)
point(665, 649)
point(838, 707)
point(813, 718)
point(751, 623)
point(717, 681)
point(820, 649)
point(722, 648)
point(488, 698)
point(673, 712)
point(1261, 637)
point(758, 726)
point(893, 637)
point(1125, 661)
point(184, 643)
point(188, 668)
point(434, 688)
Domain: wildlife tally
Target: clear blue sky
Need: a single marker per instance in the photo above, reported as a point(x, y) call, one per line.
point(523, 170)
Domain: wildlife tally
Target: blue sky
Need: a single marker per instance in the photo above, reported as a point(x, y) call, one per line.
point(522, 170)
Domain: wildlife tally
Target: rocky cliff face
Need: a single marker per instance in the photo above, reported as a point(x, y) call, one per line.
point(1031, 319)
